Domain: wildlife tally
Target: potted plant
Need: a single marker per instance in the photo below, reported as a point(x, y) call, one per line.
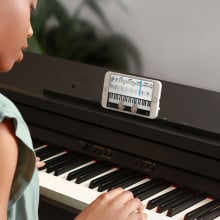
point(70, 36)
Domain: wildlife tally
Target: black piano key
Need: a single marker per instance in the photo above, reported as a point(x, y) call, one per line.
point(54, 160)
point(38, 143)
point(212, 214)
point(57, 158)
point(92, 173)
point(65, 160)
point(183, 206)
point(73, 164)
point(176, 201)
point(194, 214)
point(152, 191)
point(59, 166)
point(110, 183)
point(164, 198)
point(134, 179)
point(52, 166)
point(72, 175)
point(145, 186)
point(40, 152)
point(49, 154)
point(98, 181)
point(114, 183)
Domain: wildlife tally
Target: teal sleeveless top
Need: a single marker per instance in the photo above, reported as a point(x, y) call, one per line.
point(24, 197)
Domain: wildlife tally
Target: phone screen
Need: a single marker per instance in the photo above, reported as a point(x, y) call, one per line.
point(130, 94)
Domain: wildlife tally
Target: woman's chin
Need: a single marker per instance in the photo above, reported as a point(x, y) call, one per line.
point(8, 65)
point(6, 68)
point(20, 58)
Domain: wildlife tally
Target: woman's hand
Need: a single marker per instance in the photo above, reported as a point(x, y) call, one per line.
point(116, 204)
point(39, 163)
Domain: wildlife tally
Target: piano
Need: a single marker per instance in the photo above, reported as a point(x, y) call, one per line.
point(171, 163)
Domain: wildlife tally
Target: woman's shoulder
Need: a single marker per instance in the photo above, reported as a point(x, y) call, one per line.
point(9, 110)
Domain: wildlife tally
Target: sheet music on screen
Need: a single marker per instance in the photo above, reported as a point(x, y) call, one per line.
point(130, 94)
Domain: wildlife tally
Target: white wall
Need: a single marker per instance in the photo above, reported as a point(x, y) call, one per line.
point(179, 39)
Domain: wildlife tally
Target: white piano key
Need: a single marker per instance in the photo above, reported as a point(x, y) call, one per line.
point(40, 147)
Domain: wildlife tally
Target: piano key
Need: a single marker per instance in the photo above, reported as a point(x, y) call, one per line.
point(182, 214)
point(177, 200)
point(164, 198)
point(49, 154)
point(145, 186)
point(41, 149)
point(83, 177)
point(61, 162)
point(38, 147)
point(163, 191)
point(212, 214)
point(152, 191)
point(73, 164)
point(37, 143)
point(179, 216)
point(72, 175)
point(122, 181)
point(56, 158)
point(48, 150)
point(129, 182)
point(175, 209)
point(115, 180)
point(53, 160)
point(53, 168)
point(98, 181)
point(195, 213)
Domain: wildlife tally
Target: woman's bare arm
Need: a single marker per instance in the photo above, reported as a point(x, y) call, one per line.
point(8, 162)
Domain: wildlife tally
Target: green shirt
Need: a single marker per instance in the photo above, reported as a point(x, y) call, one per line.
point(24, 197)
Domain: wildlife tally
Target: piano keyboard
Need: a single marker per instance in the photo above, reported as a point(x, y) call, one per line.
point(76, 180)
point(129, 101)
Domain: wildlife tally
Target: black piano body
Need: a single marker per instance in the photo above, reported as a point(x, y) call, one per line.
point(60, 100)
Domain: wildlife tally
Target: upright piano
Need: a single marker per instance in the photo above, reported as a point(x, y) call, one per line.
point(171, 163)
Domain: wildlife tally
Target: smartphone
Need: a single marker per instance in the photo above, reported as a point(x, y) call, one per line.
point(131, 94)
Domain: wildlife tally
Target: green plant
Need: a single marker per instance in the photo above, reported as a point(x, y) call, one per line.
point(70, 36)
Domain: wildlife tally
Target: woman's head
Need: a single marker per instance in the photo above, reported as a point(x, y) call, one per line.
point(15, 29)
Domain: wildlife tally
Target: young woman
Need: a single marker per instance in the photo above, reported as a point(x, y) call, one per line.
point(19, 188)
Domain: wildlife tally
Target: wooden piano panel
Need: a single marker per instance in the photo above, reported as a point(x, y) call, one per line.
point(49, 209)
